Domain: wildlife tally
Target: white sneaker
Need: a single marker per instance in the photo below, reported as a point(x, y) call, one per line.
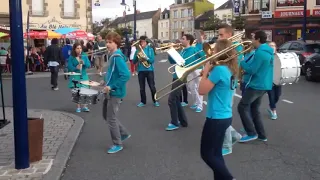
point(55, 89)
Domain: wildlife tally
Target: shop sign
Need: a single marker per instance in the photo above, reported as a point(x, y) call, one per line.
point(290, 14)
point(316, 12)
point(266, 15)
point(52, 24)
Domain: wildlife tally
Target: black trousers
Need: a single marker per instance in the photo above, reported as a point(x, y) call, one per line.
point(184, 97)
point(176, 110)
point(211, 144)
point(54, 76)
point(149, 76)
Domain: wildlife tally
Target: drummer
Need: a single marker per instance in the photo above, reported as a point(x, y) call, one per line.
point(78, 62)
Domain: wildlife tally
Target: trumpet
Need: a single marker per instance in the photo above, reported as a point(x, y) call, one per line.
point(177, 47)
point(183, 72)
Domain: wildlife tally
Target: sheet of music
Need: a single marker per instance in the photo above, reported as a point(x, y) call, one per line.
point(176, 56)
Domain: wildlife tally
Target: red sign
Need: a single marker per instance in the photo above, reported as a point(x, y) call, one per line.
point(316, 12)
point(290, 14)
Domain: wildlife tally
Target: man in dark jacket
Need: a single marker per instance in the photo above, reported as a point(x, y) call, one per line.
point(54, 57)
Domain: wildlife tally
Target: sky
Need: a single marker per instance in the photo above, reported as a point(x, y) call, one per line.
point(113, 9)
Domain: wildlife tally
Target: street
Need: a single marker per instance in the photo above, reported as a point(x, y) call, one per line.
point(154, 154)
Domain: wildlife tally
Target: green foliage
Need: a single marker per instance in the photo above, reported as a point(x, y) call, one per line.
point(98, 26)
point(121, 31)
point(238, 22)
point(213, 23)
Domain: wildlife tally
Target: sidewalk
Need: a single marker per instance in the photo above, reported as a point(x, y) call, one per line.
point(61, 131)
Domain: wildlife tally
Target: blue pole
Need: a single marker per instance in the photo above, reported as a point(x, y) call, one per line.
point(135, 20)
point(304, 28)
point(19, 95)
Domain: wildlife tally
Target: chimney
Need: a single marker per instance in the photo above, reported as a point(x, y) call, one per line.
point(138, 11)
point(159, 9)
point(124, 13)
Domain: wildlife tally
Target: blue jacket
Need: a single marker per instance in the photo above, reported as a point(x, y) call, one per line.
point(186, 53)
point(117, 75)
point(72, 67)
point(66, 51)
point(260, 69)
point(248, 58)
point(150, 54)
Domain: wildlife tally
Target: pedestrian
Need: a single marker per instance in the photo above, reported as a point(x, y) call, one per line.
point(219, 83)
point(54, 58)
point(275, 93)
point(66, 52)
point(115, 82)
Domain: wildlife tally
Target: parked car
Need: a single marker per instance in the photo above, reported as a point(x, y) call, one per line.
point(312, 67)
point(302, 49)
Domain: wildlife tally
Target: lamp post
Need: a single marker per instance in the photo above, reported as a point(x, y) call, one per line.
point(123, 3)
point(135, 20)
point(304, 28)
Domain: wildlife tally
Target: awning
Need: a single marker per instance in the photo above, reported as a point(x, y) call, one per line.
point(42, 35)
point(2, 35)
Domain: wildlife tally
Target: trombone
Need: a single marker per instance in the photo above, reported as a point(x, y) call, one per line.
point(177, 47)
point(183, 72)
point(207, 48)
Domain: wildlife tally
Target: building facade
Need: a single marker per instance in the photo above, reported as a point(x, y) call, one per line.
point(164, 25)
point(51, 15)
point(182, 16)
point(147, 23)
point(225, 12)
point(282, 19)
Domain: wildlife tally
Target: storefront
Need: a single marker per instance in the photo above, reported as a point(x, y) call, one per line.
point(287, 25)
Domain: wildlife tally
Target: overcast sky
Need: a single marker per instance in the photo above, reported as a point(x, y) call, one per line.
point(112, 8)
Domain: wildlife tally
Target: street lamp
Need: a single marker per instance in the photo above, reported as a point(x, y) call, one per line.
point(304, 27)
point(123, 3)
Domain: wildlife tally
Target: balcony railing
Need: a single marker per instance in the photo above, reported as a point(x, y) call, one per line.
point(286, 3)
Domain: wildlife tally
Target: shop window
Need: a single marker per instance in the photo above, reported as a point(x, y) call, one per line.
point(68, 8)
point(37, 7)
point(318, 2)
point(284, 3)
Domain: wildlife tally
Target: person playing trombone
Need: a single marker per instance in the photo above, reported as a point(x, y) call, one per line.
point(231, 136)
point(190, 54)
point(218, 81)
point(145, 73)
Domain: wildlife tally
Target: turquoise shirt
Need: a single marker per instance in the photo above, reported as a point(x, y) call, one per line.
point(260, 69)
point(248, 59)
point(150, 54)
point(72, 67)
point(239, 49)
point(202, 54)
point(186, 53)
point(117, 74)
point(220, 96)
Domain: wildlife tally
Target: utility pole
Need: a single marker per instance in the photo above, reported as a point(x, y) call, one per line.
point(19, 92)
point(135, 20)
point(304, 28)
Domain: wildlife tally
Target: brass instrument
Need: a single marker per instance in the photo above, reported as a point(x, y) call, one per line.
point(183, 72)
point(143, 58)
point(177, 47)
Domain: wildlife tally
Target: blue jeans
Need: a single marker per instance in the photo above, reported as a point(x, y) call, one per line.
point(274, 96)
point(249, 112)
point(211, 145)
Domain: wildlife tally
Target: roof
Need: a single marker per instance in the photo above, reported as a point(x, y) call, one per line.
point(165, 11)
point(205, 16)
point(226, 5)
point(129, 17)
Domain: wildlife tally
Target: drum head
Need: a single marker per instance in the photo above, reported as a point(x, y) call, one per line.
point(286, 68)
point(87, 91)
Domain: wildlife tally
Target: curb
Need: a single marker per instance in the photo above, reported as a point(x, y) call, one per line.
point(65, 150)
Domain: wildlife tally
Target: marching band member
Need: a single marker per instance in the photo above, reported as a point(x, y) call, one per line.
point(217, 81)
point(78, 62)
point(246, 77)
point(146, 73)
point(178, 116)
point(197, 100)
point(275, 93)
point(261, 72)
point(115, 81)
point(231, 136)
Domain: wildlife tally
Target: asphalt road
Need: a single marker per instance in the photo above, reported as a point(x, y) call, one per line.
point(154, 154)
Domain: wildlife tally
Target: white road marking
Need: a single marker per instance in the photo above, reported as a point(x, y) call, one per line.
point(287, 101)
point(163, 60)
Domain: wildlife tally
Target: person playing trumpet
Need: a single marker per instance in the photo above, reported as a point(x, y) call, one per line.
point(145, 73)
point(178, 116)
point(218, 82)
point(231, 136)
point(78, 62)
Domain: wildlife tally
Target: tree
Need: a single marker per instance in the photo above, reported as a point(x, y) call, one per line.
point(102, 25)
point(238, 22)
point(121, 31)
point(213, 23)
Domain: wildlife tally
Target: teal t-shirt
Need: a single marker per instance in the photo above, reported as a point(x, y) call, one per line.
point(220, 96)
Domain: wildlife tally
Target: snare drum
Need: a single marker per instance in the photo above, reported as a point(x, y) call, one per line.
point(286, 68)
point(85, 96)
